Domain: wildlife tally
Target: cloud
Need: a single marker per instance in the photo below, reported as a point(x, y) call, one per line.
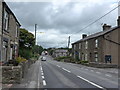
point(60, 19)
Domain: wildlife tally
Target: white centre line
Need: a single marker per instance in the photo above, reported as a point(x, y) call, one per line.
point(43, 77)
point(42, 73)
point(108, 75)
point(41, 69)
point(66, 70)
point(44, 82)
point(98, 72)
point(91, 70)
point(58, 66)
point(91, 83)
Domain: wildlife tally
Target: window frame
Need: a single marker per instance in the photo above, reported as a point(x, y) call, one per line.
point(96, 43)
point(86, 44)
point(6, 20)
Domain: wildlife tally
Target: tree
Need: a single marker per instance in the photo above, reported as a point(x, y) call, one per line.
point(27, 47)
point(27, 39)
point(26, 44)
point(38, 49)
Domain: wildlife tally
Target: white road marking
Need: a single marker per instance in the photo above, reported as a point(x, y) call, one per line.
point(108, 75)
point(42, 73)
point(41, 69)
point(98, 72)
point(116, 72)
point(66, 70)
point(43, 77)
point(91, 70)
point(58, 66)
point(44, 82)
point(91, 82)
point(70, 63)
point(86, 69)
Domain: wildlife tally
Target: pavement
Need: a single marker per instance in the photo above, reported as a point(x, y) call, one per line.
point(51, 74)
point(0, 77)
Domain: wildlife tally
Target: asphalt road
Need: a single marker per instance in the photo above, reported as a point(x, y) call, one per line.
point(53, 74)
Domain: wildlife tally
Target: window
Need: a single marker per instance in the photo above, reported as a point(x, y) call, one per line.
point(86, 45)
point(11, 53)
point(5, 23)
point(16, 51)
point(96, 57)
point(5, 45)
point(74, 54)
point(96, 43)
point(74, 46)
point(79, 45)
point(86, 57)
point(16, 30)
point(79, 55)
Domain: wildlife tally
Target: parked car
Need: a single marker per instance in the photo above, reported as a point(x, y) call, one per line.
point(43, 58)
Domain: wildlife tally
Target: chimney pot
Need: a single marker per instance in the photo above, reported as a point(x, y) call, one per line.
point(106, 27)
point(84, 35)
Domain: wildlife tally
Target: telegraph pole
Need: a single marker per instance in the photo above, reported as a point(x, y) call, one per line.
point(68, 41)
point(35, 33)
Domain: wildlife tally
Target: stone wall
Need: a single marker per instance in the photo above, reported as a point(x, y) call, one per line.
point(14, 74)
point(102, 65)
point(11, 74)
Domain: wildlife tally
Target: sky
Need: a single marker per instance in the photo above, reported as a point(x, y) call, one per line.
point(58, 19)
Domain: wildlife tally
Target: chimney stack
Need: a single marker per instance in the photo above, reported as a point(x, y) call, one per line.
point(118, 21)
point(106, 27)
point(84, 35)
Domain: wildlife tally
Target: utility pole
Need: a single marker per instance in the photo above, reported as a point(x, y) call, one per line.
point(35, 33)
point(68, 41)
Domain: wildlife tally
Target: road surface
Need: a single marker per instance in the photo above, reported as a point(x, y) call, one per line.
point(54, 74)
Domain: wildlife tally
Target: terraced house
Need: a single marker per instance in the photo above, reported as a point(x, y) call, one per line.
point(60, 53)
point(101, 47)
point(9, 33)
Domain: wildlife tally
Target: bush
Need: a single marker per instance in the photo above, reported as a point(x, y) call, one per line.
point(25, 53)
point(83, 61)
point(62, 58)
point(20, 59)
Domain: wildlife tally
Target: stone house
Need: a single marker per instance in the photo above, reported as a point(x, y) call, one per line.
point(60, 53)
point(101, 47)
point(9, 33)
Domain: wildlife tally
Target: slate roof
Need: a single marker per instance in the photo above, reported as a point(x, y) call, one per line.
point(97, 34)
point(11, 12)
point(61, 50)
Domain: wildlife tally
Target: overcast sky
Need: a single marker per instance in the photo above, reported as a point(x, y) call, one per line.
point(58, 19)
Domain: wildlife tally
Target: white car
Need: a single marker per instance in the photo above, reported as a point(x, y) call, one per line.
point(43, 58)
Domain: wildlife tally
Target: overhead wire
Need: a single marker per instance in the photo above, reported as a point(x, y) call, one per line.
point(97, 19)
